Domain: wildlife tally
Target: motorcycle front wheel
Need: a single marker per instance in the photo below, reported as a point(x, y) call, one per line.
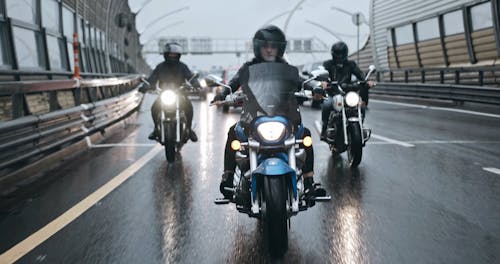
point(355, 148)
point(275, 221)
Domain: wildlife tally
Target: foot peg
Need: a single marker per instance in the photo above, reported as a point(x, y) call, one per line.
point(367, 133)
point(325, 198)
point(221, 201)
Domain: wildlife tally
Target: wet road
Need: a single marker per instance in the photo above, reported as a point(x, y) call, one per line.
point(427, 191)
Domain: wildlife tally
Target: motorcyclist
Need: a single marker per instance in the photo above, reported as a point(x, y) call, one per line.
point(341, 69)
point(269, 45)
point(172, 73)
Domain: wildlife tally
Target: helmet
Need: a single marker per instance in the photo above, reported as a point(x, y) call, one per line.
point(339, 52)
point(269, 35)
point(172, 48)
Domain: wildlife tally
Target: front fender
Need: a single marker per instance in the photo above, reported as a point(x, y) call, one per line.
point(273, 167)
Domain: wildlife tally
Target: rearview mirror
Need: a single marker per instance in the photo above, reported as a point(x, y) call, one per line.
point(371, 69)
point(214, 80)
point(320, 74)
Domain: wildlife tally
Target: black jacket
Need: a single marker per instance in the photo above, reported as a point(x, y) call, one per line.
point(173, 73)
point(342, 74)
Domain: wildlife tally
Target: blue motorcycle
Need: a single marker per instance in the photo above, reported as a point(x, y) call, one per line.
point(268, 183)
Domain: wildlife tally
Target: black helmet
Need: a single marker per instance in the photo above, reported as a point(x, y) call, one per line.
point(339, 52)
point(172, 48)
point(269, 35)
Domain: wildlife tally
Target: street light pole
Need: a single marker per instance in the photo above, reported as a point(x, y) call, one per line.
point(357, 19)
point(291, 14)
point(325, 29)
point(278, 16)
point(163, 28)
point(148, 26)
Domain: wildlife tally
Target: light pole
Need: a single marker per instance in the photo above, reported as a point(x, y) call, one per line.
point(278, 16)
point(148, 26)
point(285, 27)
point(357, 19)
point(334, 34)
point(161, 29)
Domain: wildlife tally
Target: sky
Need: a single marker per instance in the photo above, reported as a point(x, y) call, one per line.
point(238, 19)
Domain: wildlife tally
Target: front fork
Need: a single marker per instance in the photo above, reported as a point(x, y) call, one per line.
point(253, 147)
point(358, 119)
point(177, 124)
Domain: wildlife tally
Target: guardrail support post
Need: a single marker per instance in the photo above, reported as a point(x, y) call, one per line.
point(441, 76)
point(422, 73)
point(54, 105)
point(17, 106)
point(406, 76)
point(481, 78)
point(457, 77)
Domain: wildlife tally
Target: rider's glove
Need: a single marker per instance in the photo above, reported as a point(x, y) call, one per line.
point(219, 97)
point(143, 88)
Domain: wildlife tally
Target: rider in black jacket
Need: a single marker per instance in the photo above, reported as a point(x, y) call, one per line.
point(341, 69)
point(172, 73)
point(269, 46)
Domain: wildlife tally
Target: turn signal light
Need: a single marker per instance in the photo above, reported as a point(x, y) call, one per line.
point(235, 145)
point(307, 141)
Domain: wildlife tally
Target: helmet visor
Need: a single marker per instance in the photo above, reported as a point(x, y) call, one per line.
point(174, 48)
point(280, 45)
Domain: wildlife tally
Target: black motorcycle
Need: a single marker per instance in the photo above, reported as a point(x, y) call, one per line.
point(172, 130)
point(345, 130)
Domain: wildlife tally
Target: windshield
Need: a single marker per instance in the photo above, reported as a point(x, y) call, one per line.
point(270, 89)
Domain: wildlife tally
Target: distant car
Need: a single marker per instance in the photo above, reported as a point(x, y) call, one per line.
point(200, 92)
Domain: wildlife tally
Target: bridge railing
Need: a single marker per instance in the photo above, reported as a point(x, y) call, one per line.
point(461, 84)
point(28, 138)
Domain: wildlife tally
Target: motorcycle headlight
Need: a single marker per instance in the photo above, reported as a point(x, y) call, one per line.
point(203, 83)
point(168, 97)
point(271, 131)
point(352, 99)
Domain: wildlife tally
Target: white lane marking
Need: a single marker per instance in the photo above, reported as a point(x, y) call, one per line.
point(34, 240)
point(122, 145)
point(453, 142)
point(423, 142)
point(394, 141)
point(492, 170)
point(317, 124)
point(439, 108)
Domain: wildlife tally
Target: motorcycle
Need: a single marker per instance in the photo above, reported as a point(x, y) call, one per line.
point(268, 182)
point(172, 130)
point(312, 91)
point(345, 130)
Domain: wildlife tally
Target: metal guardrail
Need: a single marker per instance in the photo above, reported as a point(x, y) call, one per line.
point(471, 75)
point(26, 138)
point(458, 93)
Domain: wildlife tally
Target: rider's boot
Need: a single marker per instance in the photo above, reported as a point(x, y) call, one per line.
point(227, 182)
point(312, 190)
point(323, 133)
point(193, 135)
